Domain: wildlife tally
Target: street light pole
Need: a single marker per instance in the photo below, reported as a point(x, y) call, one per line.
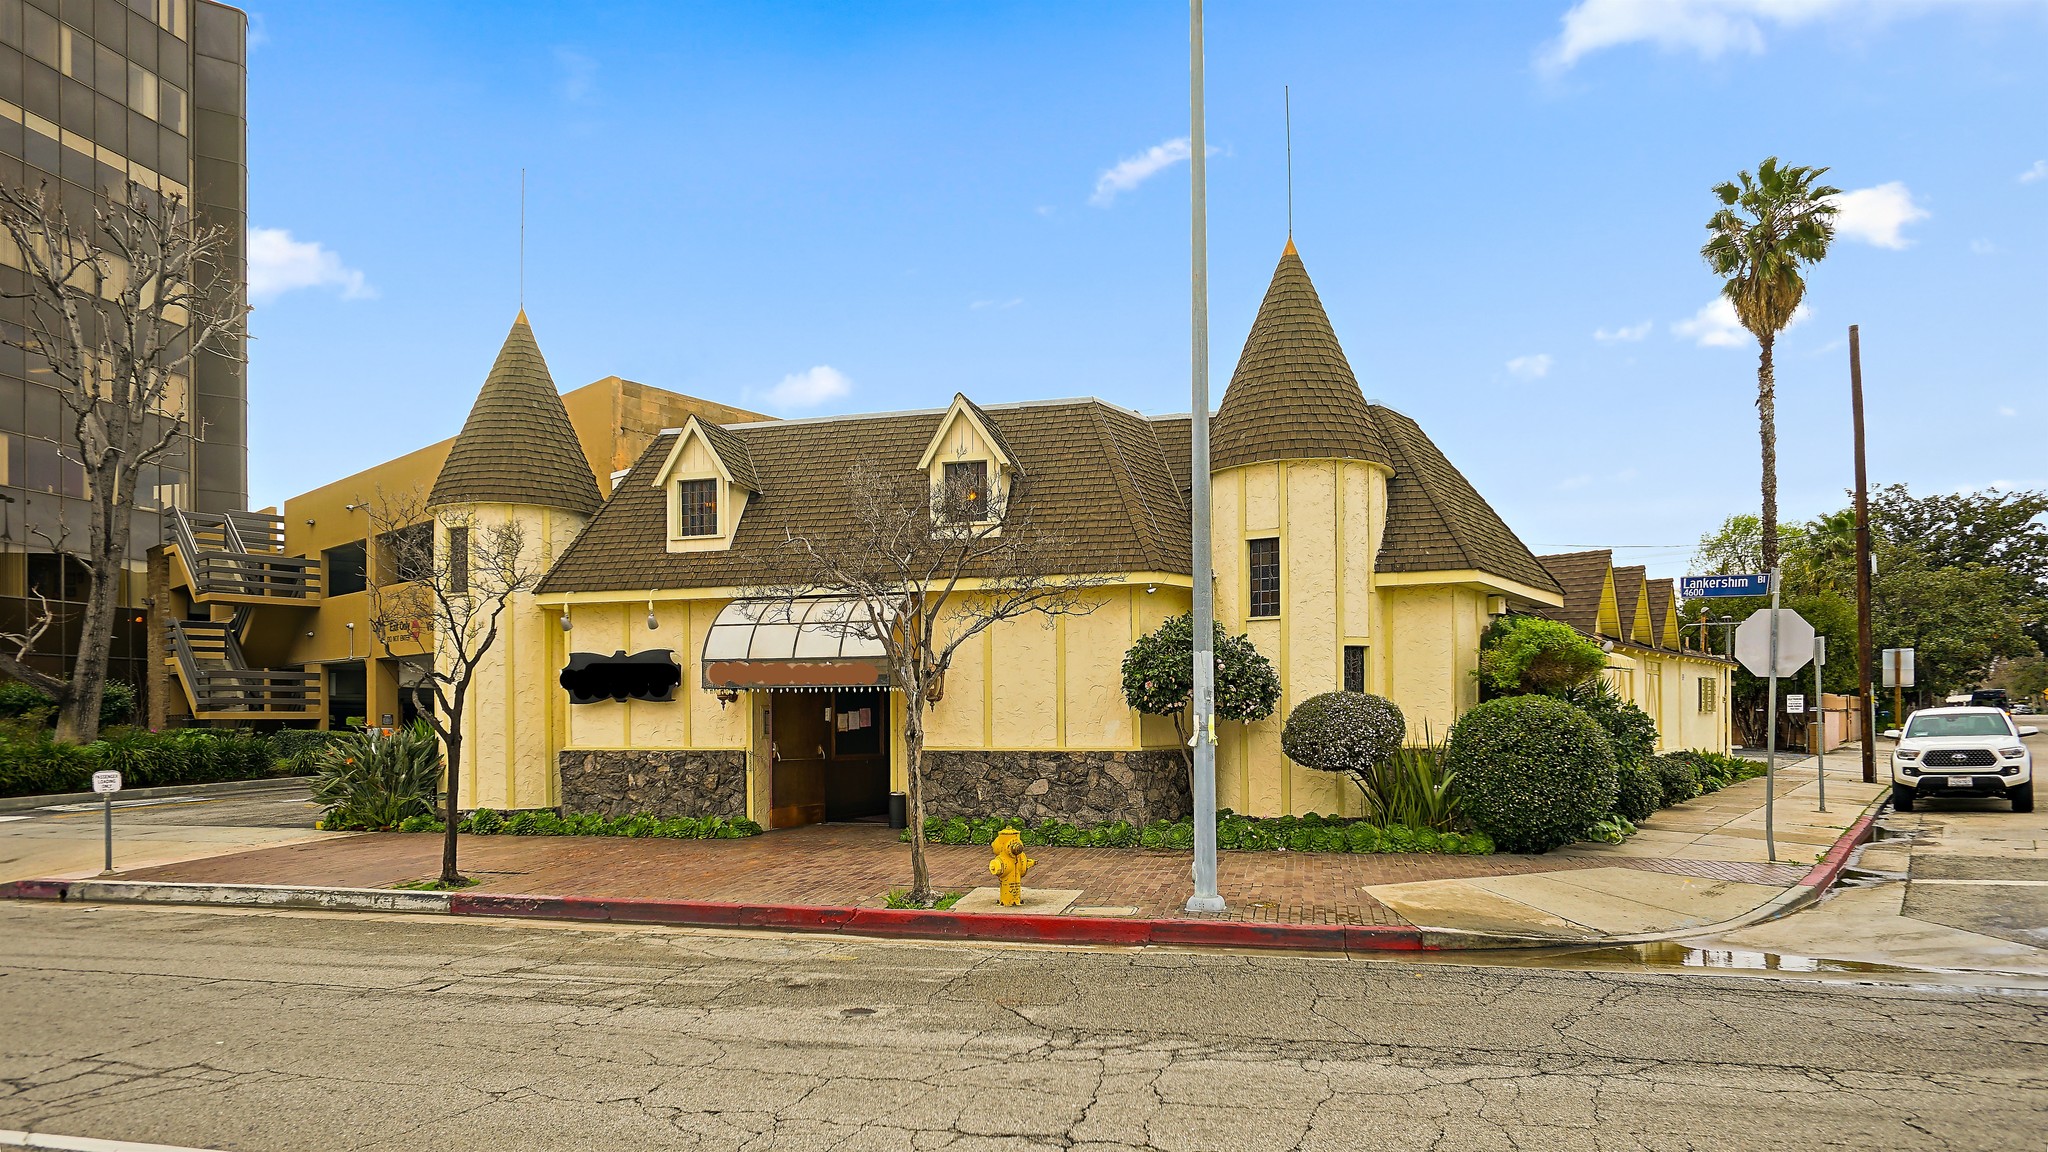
point(1206, 897)
point(1864, 695)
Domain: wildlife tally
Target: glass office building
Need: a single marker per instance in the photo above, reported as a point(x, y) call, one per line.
point(94, 94)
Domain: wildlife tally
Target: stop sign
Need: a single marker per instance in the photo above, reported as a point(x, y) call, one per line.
point(1753, 643)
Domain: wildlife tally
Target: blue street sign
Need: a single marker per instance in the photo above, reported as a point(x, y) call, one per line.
point(1696, 587)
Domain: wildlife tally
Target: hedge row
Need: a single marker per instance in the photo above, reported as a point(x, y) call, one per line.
point(489, 822)
point(1310, 833)
point(33, 764)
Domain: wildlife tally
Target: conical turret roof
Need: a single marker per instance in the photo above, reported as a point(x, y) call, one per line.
point(518, 447)
point(1293, 396)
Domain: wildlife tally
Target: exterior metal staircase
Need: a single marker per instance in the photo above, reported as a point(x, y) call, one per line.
point(236, 561)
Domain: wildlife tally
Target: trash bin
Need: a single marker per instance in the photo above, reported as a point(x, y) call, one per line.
point(899, 810)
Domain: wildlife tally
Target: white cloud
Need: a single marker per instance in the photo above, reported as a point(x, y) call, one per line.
point(280, 264)
point(1707, 27)
point(579, 75)
point(1875, 215)
point(810, 388)
point(1715, 325)
point(1626, 334)
point(2038, 172)
point(2008, 412)
point(1132, 171)
point(1534, 366)
point(1983, 247)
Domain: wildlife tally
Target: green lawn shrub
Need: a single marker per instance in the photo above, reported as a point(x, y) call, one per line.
point(1630, 731)
point(545, 822)
point(1535, 772)
point(1676, 777)
point(1521, 654)
point(1234, 833)
point(20, 701)
point(1345, 732)
point(1717, 770)
point(1639, 791)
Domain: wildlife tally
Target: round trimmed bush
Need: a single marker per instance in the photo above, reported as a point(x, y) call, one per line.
point(1678, 780)
point(1639, 793)
point(1343, 732)
point(1535, 771)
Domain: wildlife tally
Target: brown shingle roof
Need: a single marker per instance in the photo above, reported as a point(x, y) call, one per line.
point(1628, 593)
point(1293, 396)
point(518, 446)
point(1436, 520)
point(1175, 434)
point(732, 451)
point(1583, 576)
point(1074, 453)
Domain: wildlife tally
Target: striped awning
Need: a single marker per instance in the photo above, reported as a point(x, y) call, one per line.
point(816, 643)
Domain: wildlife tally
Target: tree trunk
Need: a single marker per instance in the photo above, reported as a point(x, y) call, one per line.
point(913, 759)
point(78, 718)
point(450, 815)
point(1767, 428)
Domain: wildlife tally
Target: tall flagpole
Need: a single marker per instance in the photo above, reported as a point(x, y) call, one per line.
point(1206, 897)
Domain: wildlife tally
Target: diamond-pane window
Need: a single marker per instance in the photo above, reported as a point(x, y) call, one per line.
point(1354, 667)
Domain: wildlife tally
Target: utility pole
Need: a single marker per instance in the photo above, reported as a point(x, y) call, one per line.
point(1863, 692)
point(1206, 897)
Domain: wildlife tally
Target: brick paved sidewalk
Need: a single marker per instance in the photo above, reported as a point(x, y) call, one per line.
point(849, 864)
point(1711, 847)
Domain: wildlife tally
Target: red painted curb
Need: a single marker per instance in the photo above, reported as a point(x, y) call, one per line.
point(34, 889)
point(1824, 873)
point(933, 925)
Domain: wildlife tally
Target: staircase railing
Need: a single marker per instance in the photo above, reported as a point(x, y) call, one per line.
point(218, 677)
point(241, 554)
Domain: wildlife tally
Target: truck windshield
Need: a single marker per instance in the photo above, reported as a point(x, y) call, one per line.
point(1967, 724)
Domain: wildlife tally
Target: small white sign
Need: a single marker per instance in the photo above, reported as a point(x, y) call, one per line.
point(106, 780)
point(1898, 667)
point(1795, 703)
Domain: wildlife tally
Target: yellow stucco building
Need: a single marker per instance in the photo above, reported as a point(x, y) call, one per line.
point(1348, 548)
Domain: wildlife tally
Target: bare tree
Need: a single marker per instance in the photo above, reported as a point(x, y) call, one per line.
point(450, 596)
point(927, 568)
point(120, 308)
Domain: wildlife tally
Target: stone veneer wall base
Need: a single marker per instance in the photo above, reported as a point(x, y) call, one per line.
point(661, 782)
point(1074, 786)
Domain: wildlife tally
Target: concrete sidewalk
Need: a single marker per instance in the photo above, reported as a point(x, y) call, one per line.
point(1696, 866)
point(1702, 863)
point(155, 826)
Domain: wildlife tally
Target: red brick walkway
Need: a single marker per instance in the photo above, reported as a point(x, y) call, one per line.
point(850, 864)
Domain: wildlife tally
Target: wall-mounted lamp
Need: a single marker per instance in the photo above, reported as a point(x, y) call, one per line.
point(309, 521)
point(1151, 588)
point(652, 623)
point(726, 696)
point(566, 623)
point(351, 507)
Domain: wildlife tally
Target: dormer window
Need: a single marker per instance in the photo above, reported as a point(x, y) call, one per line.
point(966, 494)
point(696, 508)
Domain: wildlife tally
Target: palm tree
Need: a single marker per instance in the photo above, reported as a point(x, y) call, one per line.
point(1769, 226)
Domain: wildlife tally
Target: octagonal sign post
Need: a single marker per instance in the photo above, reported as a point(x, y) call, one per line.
point(1771, 644)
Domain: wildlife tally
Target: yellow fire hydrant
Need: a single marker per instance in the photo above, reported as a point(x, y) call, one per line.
point(1009, 866)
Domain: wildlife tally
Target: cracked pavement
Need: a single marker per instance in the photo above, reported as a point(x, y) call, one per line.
point(241, 1030)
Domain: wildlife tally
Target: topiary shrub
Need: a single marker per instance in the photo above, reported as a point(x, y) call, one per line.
point(1346, 732)
point(1639, 792)
point(1535, 772)
point(1678, 780)
point(1159, 676)
point(1519, 654)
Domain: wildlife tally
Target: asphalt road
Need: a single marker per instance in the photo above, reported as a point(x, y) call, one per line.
point(238, 1030)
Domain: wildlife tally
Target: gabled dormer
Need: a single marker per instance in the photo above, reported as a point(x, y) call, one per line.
point(1608, 621)
point(707, 477)
point(971, 470)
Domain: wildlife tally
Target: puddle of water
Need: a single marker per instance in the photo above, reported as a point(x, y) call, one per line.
point(1670, 954)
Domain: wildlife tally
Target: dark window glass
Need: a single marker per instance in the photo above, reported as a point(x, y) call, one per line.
point(696, 507)
point(1265, 572)
point(10, 22)
point(966, 496)
point(39, 90)
point(458, 559)
point(405, 554)
point(345, 569)
point(42, 153)
point(39, 35)
point(43, 474)
point(74, 113)
point(10, 74)
point(1354, 667)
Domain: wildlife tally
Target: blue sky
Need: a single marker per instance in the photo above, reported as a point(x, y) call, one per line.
point(811, 208)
